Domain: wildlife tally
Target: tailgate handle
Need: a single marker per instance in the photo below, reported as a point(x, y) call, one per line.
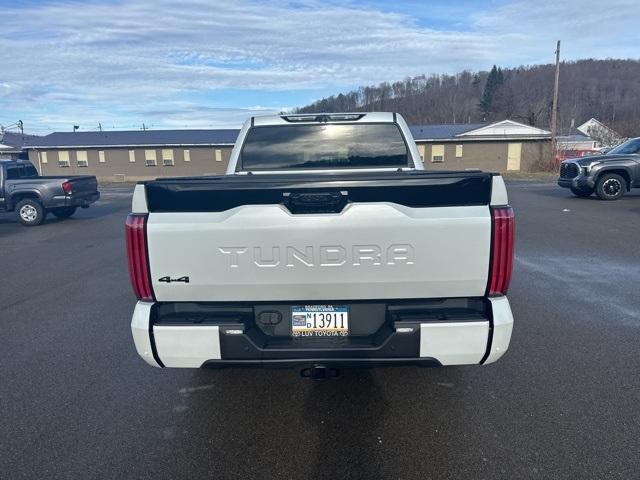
point(315, 202)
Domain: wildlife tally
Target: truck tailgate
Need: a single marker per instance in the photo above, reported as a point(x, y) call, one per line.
point(84, 184)
point(399, 236)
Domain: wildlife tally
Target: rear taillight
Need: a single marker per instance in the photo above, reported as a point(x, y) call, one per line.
point(67, 188)
point(501, 250)
point(136, 228)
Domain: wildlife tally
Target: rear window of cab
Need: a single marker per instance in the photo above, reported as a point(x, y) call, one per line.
point(324, 146)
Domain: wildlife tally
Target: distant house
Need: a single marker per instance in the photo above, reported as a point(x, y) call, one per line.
point(587, 139)
point(142, 154)
point(599, 132)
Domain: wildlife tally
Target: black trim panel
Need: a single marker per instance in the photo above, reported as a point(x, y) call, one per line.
point(152, 340)
point(416, 189)
point(490, 333)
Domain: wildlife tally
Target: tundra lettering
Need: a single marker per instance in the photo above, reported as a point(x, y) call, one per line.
point(323, 256)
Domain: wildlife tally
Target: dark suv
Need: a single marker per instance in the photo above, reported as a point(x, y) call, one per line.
point(609, 176)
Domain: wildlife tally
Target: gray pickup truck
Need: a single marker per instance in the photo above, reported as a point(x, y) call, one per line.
point(32, 197)
point(610, 176)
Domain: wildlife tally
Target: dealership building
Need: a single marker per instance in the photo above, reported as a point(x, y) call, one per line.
point(143, 154)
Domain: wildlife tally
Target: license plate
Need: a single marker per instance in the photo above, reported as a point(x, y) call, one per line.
point(320, 321)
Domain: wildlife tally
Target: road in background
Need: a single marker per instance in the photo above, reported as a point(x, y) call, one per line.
point(564, 402)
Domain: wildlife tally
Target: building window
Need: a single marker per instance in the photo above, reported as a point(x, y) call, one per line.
point(101, 158)
point(63, 158)
point(458, 151)
point(218, 155)
point(150, 158)
point(187, 156)
point(167, 157)
point(132, 156)
point(81, 158)
point(43, 157)
point(437, 153)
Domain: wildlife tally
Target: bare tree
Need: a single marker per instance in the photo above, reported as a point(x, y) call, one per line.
point(604, 89)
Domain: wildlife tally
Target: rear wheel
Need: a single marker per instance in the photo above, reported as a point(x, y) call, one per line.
point(64, 212)
point(30, 212)
point(580, 192)
point(611, 186)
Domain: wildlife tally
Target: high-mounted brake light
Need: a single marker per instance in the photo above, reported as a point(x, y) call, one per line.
point(67, 188)
point(501, 262)
point(136, 229)
point(323, 118)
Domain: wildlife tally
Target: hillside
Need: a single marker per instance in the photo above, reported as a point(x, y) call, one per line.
point(605, 89)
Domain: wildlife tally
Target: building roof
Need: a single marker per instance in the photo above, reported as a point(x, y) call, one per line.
point(443, 131)
point(135, 138)
point(507, 129)
point(504, 130)
point(594, 122)
point(12, 142)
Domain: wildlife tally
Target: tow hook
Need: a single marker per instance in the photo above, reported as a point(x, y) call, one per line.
point(320, 372)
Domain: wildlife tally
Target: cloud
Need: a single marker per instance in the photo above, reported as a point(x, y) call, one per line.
point(201, 63)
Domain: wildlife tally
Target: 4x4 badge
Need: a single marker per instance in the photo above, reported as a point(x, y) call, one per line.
point(171, 280)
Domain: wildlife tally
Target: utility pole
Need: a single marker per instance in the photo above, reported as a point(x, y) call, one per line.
point(554, 110)
point(144, 127)
point(21, 127)
point(100, 126)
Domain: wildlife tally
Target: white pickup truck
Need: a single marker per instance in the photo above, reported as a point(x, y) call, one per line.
point(325, 245)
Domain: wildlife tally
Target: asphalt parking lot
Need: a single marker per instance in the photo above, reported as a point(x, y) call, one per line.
point(564, 402)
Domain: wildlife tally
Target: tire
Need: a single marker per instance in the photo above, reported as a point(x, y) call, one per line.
point(30, 212)
point(579, 192)
point(64, 212)
point(611, 186)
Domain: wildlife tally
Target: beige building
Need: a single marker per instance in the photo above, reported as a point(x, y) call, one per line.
point(499, 147)
point(138, 155)
point(133, 155)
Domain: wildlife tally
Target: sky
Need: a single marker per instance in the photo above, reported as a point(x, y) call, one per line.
point(213, 64)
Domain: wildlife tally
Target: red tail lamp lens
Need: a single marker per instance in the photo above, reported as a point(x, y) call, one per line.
point(138, 260)
point(501, 250)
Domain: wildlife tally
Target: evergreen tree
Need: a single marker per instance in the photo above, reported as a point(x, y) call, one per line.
point(494, 81)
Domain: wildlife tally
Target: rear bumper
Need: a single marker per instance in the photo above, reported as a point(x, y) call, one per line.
point(79, 200)
point(416, 339)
